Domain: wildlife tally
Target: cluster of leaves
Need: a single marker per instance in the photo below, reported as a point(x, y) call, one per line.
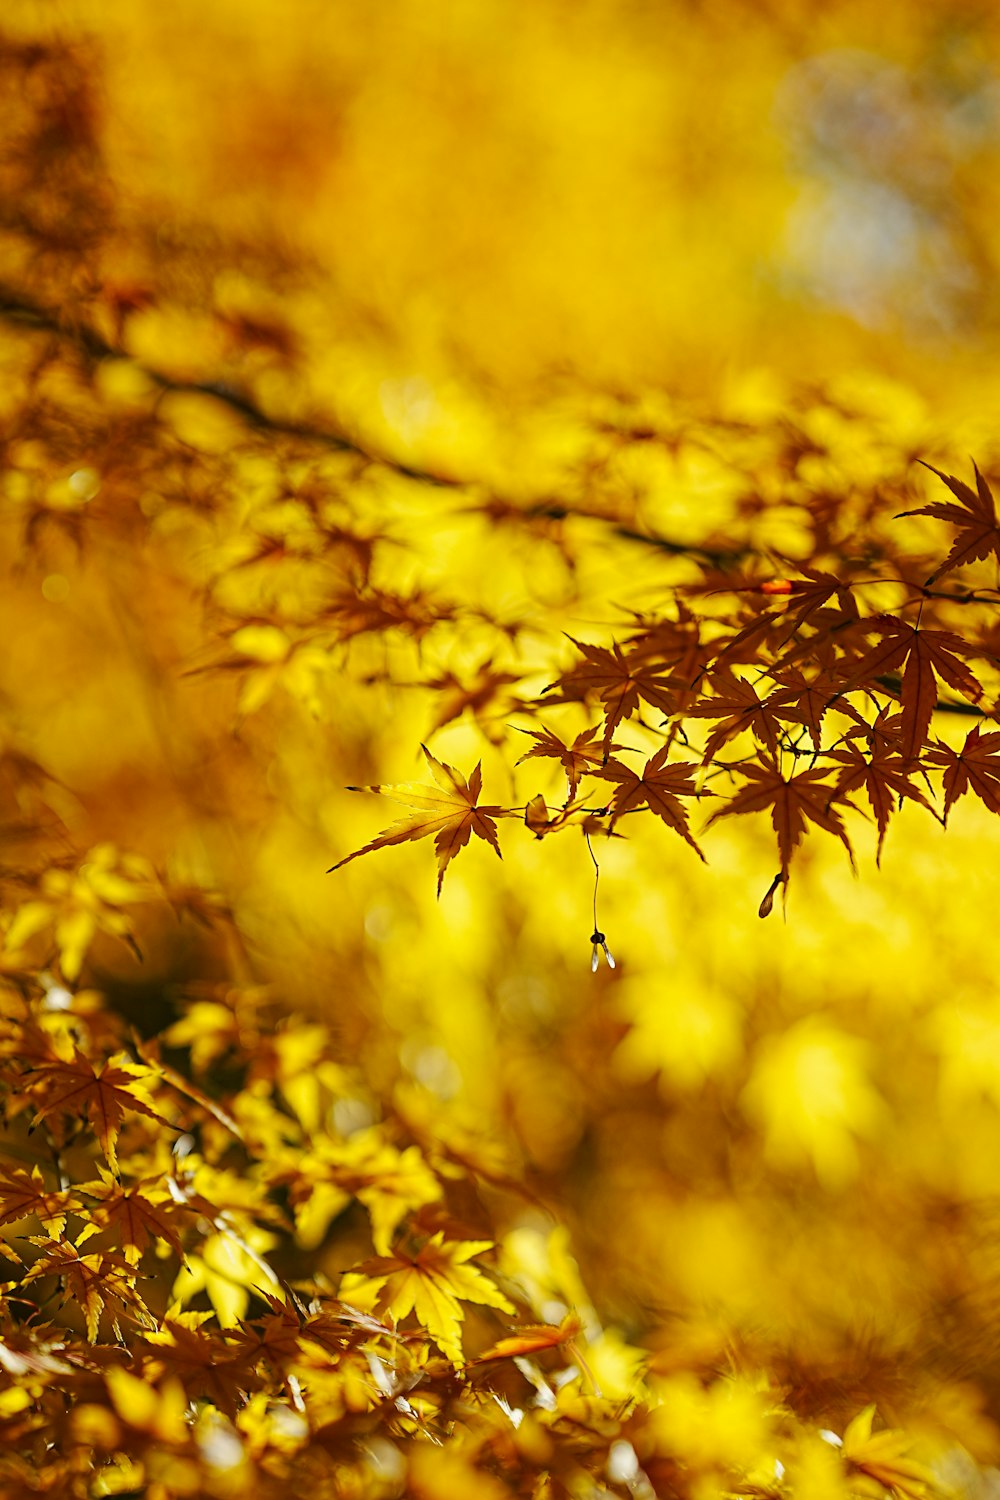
point(193, 1302)
point(246, 1249)
point(824, 695)
point(161, 1333)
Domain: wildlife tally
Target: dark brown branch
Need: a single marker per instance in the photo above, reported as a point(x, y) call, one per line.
point(17, 309)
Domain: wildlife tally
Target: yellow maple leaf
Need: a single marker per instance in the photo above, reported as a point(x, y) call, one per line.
point(390, 1183)
point(450, 812)
point(882, 1456)
point(79, 903)
point(228, 1268)
point(157, 1410)
point(431, 1285)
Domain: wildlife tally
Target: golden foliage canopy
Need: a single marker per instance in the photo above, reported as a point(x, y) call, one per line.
point(599, 397)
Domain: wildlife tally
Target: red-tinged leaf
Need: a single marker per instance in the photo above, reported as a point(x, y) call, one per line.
point(974, 515)
point(658, 787)
point(886, 778)
point(618, 680)
point(451, 815)
point(799, 701)
point(811, 592)
point(103, 1096)
point(887, 656)
point(927, 654)
point(794, 802)
point(455, 696)
point(975, 767)
point(207, 1367)
point(807, 605)
point(24, 1194)
point(739, 707)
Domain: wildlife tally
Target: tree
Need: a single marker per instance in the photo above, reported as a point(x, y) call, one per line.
point(564, 1174)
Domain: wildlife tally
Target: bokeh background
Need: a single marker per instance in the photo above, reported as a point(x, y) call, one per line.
point(317, 312)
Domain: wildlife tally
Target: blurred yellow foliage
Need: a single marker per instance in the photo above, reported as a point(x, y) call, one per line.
point(352, 359)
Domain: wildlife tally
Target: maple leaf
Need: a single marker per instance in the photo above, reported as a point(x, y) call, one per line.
point(477, 695)
point(390, 1183)
point(619, 681)
point(795, 801)
point(275, 1337)
point(227, 1267)
point(357, 611)
point(882, 1455)
point(658, 788)
point(142, 1213)
point(736, 703)
point(925, 653)
point(975, 516)
point(532, 1338)
point(576, 759)
point(675, 643)
point(104, 1096)
point(77, 904)
point(205, 1364)
point(884, 776)
point(451, 815)
point(431, 1285)
point(24, 1194)
point(976, 766)
point(800, 701)
point(90, 1281)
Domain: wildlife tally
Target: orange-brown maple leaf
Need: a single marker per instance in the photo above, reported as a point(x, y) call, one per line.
point(975, 766)
point(576, 759)
point(532, 1338)
point(975, 516)
point(926, 653)
point(91, 1281)
point(658, 787)
point(451, 815)
point(206, 1366)
point(803, 702)
point(104, 1096)
point(884, 776)
point(739, 707)
point(794, 801)
point(139, 1214)
point(477, 694)
point(356, 612)
point(618, 680)
point(24, 1193)
point(810, 592)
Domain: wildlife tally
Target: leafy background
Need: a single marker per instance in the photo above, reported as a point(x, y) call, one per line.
point(419, 314)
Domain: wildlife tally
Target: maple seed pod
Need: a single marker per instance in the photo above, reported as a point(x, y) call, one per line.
point(600, 941)
point(764, 910)
point(536, 816)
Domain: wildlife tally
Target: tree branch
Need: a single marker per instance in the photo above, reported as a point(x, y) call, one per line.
point(17, 309)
